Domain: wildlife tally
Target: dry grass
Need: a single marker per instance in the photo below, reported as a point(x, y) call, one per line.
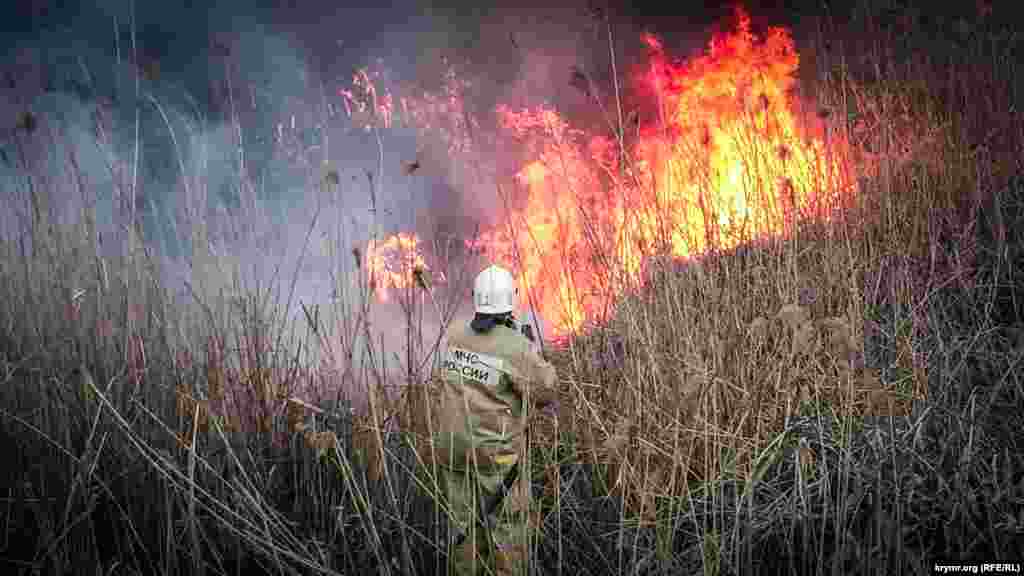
point(844, 399)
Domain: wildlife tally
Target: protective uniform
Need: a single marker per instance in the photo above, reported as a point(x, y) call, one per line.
point(491, 374)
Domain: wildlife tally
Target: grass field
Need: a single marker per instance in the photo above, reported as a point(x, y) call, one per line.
point(844, 398)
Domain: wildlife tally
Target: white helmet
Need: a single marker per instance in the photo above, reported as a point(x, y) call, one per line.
point(494, 291)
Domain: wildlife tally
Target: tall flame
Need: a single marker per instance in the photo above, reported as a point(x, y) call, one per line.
point(725, 161)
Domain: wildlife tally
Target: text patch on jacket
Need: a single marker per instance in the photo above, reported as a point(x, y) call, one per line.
point(481, 368)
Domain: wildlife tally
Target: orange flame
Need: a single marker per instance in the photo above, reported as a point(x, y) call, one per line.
point(735, 163)
point(724, 162)
point(393, 263)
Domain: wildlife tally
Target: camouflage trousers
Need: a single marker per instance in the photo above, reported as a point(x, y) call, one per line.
point(500, 548)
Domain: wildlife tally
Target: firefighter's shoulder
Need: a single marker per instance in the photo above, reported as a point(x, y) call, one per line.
point(517, 349)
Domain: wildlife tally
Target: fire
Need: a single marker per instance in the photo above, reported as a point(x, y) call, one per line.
point(735, 164)
point(725, 161)
point(393, 263)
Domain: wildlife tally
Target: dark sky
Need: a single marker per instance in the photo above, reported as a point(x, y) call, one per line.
point(179, 30)
point(332, 38)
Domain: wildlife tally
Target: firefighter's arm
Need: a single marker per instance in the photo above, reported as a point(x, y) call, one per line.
point(543, 379)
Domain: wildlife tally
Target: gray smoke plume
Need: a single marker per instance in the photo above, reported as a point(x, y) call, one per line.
point(220, 132)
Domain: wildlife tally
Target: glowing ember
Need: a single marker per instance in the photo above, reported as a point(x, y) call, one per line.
point(393, 263)
point(724, 162)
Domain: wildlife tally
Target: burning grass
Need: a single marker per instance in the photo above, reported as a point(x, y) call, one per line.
point(787, 342)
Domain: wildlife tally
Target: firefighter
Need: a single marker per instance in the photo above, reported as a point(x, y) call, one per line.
point(492, 377)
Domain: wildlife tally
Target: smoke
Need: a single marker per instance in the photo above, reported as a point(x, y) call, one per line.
point(222, 129)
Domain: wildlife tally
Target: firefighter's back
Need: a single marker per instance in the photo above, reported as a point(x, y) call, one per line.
point(482, 404)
